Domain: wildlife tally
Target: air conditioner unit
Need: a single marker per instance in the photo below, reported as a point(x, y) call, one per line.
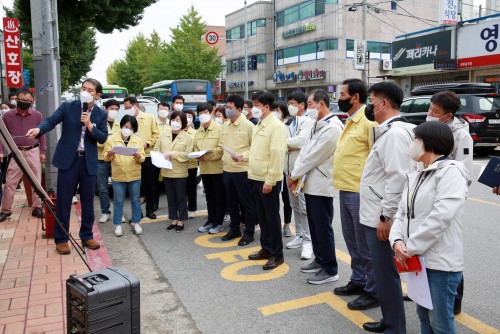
point(386, 65)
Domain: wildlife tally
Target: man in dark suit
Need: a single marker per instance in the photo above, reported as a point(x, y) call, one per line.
point(84, 125)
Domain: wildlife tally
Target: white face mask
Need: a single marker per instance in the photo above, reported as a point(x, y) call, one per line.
point(257, 113)
point(219, 120)
point(178, 106)
point(433, 119)
point(130, 111)
point(190, 120)
point(416, 149)
point(175, 125)
point(293, 110)
point(277, 114)
point(13, 102)
point(127, 132)
point(163, 113)
point(112, 113)
point(85, 97)
point(205, 118)
point(244, 112)
point(313, 114)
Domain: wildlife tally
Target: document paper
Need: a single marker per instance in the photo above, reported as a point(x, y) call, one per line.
point(122, 150)
point(417, 285)
point(159, 160)
point(197, 154)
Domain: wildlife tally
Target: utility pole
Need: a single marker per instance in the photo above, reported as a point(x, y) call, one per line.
point(363, 37)
point(47, 77)
point(246, 52)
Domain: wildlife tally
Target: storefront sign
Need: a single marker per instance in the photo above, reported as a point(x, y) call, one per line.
point(478, 45)
point(279, 77)
point(448, 12)
point(298, 31)
point(12, 47)
point(446, 64)
point(359, 54)
point(316, 74)
point(235, 84)
point(422, 50)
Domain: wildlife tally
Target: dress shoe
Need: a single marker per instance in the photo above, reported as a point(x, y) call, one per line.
point(457, 307)
point(375, 327)
point(4, 216)
point(231, 235)
point(37, 212)
point(151, 214)
point(91, 244)
point(350, 289)
point(245, 240)
point(274, 262)
point(363, 302)
point(260, 255)
point(63, 248)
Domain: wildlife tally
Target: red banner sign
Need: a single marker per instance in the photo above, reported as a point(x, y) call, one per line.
point(12, 47)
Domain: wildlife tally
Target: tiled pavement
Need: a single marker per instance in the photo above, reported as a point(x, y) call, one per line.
point(33, 276)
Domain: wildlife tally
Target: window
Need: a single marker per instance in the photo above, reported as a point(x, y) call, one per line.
point(331, 1)
point(252, 26)
point(261, 59)
point(301, 11)
point(235, 33)
point(405, 106)
point(329, 44)
point(378, 50)
point(421, 106)
point(238, 65)
point(394, 5)
point(291, 55)
point(305, 52)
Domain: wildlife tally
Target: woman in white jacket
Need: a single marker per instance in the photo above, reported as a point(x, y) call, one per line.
point(429, 222)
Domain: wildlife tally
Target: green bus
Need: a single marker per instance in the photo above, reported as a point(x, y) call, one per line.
point(114, 91)
point(194, 91)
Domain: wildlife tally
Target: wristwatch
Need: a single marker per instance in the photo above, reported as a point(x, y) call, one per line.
point(384, 218)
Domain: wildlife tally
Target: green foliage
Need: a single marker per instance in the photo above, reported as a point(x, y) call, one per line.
point(149, 60)
point(78, 21)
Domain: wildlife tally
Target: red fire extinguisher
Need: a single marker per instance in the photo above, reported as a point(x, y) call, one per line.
point(50, 219)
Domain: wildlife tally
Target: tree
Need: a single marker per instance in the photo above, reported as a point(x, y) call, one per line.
point(78, 20)
point(188, 57)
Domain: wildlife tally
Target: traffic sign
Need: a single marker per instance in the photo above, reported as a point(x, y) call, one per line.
point(211, 37)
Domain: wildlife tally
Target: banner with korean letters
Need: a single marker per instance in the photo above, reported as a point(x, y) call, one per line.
point(12, 48)
point(478, 44)
point(448, 12)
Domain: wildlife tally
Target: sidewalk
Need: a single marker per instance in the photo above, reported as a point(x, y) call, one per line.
point(33, 276)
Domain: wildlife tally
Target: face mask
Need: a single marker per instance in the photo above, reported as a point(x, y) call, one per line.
point(85, 97)
point(5, 110)
point(163, 113)
point(370, 111)
point(178, 106)
point(190, 121)
point(127, 132)
point(175, 125)
point(277, 114)
point(112, 113)
point(219, 120)
point(245, 113)
point(416, 149)
point(13, 102)
point(257, 113)
point(433, 119)
point(231, 113)
point(345, 105)
point(23, 105)
point(313, 114)
point(205, 118)
point(130, 111)
point(293, 110)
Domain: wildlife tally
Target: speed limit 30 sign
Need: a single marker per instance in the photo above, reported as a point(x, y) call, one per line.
point(211, 37)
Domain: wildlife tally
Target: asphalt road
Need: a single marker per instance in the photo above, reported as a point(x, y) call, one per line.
point(192, 282)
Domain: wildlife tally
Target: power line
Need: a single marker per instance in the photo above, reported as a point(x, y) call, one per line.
point(490, 9)
point(390, 25)
point(418, 18)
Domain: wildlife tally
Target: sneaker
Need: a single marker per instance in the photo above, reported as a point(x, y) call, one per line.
point(322, 277)
point(216, 229)
point(286, 230)
point(118, 231)
point(295, 243)
point(124, 220)
point(312, 267)
point(226, 218)
point(191, 214)
point(75, 200)
point(137, 228)
point(307, 251)
point(179, 228)
point(104, 218)
point(205, 228)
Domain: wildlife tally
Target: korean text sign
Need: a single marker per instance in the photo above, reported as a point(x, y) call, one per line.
point(12, 47)
point(478, 44)
point(421, 50)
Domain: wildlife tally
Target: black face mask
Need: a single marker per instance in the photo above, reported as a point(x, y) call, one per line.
point(370, 112)
point(23, 105)
point(345, 105)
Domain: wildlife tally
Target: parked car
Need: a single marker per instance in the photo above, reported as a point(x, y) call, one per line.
point(334, 108)
point(480, 108)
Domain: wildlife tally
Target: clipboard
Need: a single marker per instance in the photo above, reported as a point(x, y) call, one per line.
point(490, 176)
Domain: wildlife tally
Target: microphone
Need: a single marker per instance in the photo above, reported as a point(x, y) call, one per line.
point(84, 109)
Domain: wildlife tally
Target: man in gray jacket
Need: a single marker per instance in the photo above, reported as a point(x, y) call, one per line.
point(382, 183)
point(315, 161)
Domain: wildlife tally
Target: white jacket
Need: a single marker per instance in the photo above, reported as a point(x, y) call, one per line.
point(385, 172)
point(431, 225)
point(296, 140)
point(316, 157)
point(463, 147)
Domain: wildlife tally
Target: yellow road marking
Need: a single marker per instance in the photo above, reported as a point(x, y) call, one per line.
point(230, 256)
point(231, 272)
point(482, 201)
point(160, 218)
point(475, 324)
point(204, 241)
point(338, 304)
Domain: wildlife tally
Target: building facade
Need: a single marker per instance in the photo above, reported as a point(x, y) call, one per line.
point(310, 44)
